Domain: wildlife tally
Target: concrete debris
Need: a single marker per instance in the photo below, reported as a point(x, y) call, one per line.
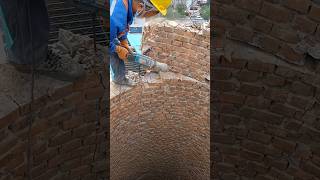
point(79, 48)
point(133, 76)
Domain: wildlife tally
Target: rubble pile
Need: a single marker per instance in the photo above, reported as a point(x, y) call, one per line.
point(77, 48)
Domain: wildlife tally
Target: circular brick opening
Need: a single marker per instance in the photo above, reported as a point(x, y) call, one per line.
point(161, 131)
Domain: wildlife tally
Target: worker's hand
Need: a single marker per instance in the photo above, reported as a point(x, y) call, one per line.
point(125, 43)
point(122, 53)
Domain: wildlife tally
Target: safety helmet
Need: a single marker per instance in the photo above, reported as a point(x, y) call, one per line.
point(160, 5)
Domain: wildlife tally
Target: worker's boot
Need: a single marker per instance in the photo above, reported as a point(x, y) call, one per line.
point(62, 68)
point(126, 82)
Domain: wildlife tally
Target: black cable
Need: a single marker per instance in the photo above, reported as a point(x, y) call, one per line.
point(31, 119)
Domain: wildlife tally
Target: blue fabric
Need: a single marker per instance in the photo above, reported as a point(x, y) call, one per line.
point(118, 70)
point(120, 20)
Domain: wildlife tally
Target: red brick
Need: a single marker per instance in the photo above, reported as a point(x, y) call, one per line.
point(224, 139)
point(248, 76)
point(233, 14)
point(273, 80)
point(261, 24)
point(251, 5)
point(291, 55)
point(249, 155)
point(305, 25)
point(311, 168)
point(241, 34)
point(315, 12)
point(74, 144)
point(221, 73)
point(250, 89)
point(269, 44)
point(259, 137)
point(258, 102)
point(283, 109)
point(233, 63)
point(285, 34)
point(60, 139)
point(224, 86)
point(301, 89)
point(275, 12)
point(301, 6)
point(261, 67)
point(232, 98)
point(284, 145)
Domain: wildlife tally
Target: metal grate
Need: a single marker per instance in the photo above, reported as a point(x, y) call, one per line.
point(63, 14)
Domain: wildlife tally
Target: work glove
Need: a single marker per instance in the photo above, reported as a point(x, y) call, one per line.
point(125, 43)
point(122, 52)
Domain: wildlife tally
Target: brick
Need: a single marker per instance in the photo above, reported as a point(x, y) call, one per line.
point(259, 167)
point(224, 86)
point(259, 137)
point(94, 93)
point(291, 55)
point(250, 89)
point(84, 130)
point(300, 102)
point(262, 116)
point(261, 24)
point(66, 147)
point(74, 122)
point(301, 89)
point(273, 80)
point(248, 76)
point(221, 74)
point(285, 34)
point(234, 63)
point(232, 98)
point(275, 12)
point(280, 174)
point(314, 13)
point(283, 109)
point(301, 6)
point(278, 163)
point(311, 168)
point(241, 34)
point(60, 139)
point(286, 72)
point(230, 119)
point(269, 44)
point(249, 155)
point(223, 139)
point(261, 67)
point(233, 14)
point(305, 25)
point(258, 102)
point(284, 145)
point(250, 5)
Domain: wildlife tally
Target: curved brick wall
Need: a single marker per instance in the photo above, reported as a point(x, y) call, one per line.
point(266, 90)
point(160, 130)
point(65, 143)
point(184, 49)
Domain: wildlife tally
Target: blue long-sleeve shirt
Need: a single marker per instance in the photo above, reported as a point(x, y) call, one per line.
point(120, 20)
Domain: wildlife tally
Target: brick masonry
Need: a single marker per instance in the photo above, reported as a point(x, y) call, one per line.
point(265, 90)
point(184, 49)
point(65, 141)
point(160, 128)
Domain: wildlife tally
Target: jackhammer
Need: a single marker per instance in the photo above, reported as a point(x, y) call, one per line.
point(145, 60)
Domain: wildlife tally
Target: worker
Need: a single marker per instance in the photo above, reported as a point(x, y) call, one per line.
point(122, 13)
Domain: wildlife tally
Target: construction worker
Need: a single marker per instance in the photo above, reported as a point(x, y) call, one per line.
point(122, 13)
